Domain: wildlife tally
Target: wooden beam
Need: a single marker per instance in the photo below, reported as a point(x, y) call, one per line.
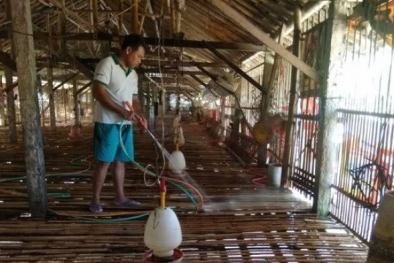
point(84, 87)
point(199, 80)
point(95, 14)
point(65, 81)
point(10, 87)
point(189, 95)
point(232, 93)
point(172, 42)
point(145, 62)
point(7, 61)
point(72, 14)
point(69, 58)
point(148, 2)
point(308, 10)
point(15, 84)
point(202, 44)
point(214, 78)
point(191, 83)
point(166, 42)
point(169, 71)
point(79, 65)
point(25, 63)
point(118, 11)
point(237, 69)
point(209, 74)
point(141, 26)
point(264, 38)
point(148, 62)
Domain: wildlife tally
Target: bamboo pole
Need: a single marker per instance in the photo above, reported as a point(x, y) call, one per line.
point(292, 101)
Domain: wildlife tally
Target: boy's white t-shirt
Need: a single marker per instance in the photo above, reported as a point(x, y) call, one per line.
point(120, 84)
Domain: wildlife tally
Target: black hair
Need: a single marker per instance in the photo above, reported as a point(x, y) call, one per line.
point(134, 41)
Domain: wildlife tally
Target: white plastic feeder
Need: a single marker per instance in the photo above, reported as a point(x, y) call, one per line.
point(177, 162)
point(163, 232)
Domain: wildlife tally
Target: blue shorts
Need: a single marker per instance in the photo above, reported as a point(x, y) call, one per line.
point(106, 142)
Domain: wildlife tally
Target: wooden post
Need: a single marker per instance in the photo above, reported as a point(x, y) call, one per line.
point(62, 29)
point(52, 112)
point(165, 102)
point(26, 67)
point(95, 26)
point(148, 112)
point(92, 102)
point(237, 114)
point(180, 7)
point(2, 104)
point(76, 103)
point(64, 93)
point(223, 118)
point(155, 97)
point(141, 92)
point(11, 107)
point(332, 65)
point(269, 70)
point(87, 101)
point(269, 80)
point(173, 17)
point(41, 92)
point(134, 16)
point(292, 101)
point(11, 116)
point(120, 20)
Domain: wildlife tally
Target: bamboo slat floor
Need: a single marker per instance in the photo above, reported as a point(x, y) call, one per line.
point(239, 222)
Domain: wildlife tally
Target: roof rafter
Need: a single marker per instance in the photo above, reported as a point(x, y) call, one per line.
point(266, 39)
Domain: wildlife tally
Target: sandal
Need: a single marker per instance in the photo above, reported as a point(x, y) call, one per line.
point(95, 208)
point(128, 203)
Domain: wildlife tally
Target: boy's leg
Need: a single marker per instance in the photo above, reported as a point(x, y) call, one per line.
point(118, 171)
point(99, 174)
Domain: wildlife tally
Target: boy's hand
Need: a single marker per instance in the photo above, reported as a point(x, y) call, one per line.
point(143, 123)
point(141, 120)
point(128, 115)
